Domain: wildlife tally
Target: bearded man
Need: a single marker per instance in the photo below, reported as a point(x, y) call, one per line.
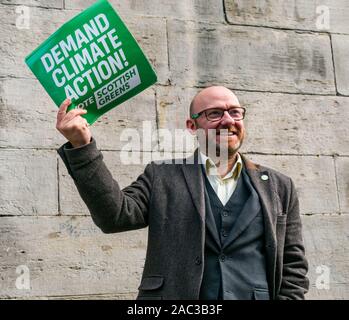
point(220, 226)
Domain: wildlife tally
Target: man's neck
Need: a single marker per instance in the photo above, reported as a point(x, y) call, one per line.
point(224, 165)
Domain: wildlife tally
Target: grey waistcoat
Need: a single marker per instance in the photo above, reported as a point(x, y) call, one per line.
point(235, 264)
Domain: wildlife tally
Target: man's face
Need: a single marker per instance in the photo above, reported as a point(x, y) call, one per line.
point(218, 133)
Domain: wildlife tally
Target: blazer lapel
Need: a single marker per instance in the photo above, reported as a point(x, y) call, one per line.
point(247, 214)
point(267, 196)
point(210, 222)
point(267, 199)
point(194, 179)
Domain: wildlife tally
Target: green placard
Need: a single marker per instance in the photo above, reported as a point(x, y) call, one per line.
point(94, 60)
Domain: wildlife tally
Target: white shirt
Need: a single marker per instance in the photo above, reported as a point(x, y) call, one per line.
point(224, 187)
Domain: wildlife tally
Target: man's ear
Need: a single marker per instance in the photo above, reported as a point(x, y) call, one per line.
point(191, 126)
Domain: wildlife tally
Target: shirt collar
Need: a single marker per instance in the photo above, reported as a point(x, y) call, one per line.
point(211, 168)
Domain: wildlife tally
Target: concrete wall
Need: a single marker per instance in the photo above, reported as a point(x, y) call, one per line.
point(291, 74)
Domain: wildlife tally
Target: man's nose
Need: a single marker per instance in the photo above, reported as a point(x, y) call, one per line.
point(227, 119)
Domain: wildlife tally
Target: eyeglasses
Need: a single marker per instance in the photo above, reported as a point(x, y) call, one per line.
point(215, 114)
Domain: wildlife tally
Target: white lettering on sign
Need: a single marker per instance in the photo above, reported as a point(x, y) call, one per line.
point(85, 58)
point(117, 87)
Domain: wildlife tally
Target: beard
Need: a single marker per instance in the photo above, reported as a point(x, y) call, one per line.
point(223, 147)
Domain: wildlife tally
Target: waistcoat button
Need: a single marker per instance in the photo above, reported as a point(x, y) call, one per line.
point(222, 257)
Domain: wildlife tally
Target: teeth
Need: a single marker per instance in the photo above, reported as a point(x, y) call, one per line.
point(230, 134)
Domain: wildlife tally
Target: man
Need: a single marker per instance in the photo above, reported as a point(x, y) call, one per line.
point(226, 229)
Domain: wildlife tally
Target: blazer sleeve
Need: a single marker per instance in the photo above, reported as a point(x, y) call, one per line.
point(295, 265)
point(112, 209)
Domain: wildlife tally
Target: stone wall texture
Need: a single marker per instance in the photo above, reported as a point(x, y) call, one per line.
point(288, 65)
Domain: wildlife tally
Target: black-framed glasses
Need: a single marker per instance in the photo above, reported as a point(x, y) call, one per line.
point(215, 114)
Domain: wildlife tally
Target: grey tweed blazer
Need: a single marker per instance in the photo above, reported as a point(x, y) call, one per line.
point(169, 199)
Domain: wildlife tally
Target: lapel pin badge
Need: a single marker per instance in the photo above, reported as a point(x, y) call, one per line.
point(264, 177)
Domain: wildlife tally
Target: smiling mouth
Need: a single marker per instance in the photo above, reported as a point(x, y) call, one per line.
point(226, 134)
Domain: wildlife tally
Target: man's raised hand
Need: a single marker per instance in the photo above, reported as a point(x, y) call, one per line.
point(72, 126)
